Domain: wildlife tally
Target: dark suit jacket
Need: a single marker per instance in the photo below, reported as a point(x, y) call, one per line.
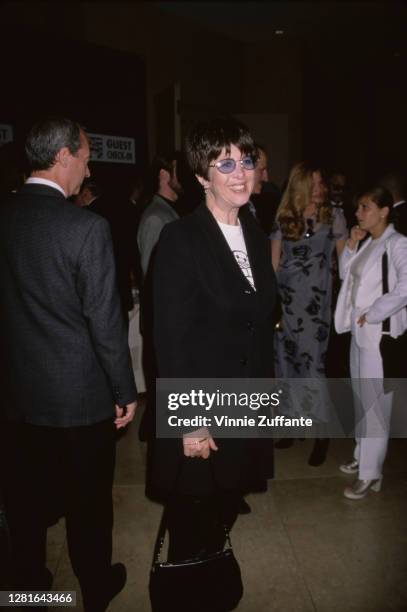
point(210, 323)
point(266, 205)
point(122, 217)
point(63, 337)
point(399, 218)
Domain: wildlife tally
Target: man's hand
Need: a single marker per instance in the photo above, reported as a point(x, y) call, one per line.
point(124, 414)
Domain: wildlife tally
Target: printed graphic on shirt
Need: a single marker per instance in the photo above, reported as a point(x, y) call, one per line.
point(243, 261)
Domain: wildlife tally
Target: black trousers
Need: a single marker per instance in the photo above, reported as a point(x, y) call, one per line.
point(46, 472)
point(393, 352)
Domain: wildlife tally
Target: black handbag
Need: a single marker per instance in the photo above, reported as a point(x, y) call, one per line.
point(211, 582)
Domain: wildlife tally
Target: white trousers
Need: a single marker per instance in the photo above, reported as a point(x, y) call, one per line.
point(372, 410)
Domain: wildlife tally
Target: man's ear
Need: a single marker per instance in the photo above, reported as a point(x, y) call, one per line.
point(165, 176)
point(62, 157)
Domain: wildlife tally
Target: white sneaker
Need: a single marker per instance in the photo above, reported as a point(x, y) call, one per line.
point(351, 467)
point(360, 488)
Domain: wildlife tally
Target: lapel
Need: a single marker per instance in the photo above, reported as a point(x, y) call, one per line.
point(222, 253)
point(381, 247)
point(254, 249)
point(399, 211)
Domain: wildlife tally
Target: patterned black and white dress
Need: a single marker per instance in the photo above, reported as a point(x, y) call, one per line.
point(305, 284)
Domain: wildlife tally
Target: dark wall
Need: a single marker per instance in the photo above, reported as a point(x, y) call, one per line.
point(342, 82)
point(101, 88)
point(355, 96)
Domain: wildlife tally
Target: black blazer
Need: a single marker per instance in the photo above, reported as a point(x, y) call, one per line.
point(399, 218)
point(63, 336)
point(210, 323)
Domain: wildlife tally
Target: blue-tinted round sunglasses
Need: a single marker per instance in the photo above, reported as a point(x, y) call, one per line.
point(226, 166)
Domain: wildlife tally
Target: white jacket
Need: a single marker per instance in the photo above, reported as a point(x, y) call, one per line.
point(369, 298)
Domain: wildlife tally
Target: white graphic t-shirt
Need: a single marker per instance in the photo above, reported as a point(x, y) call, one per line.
point(235, 239)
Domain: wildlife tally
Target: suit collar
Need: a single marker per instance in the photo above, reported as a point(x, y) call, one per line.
point(380, 244)
point(389, 231)
point(40, 180)
point(253, 245)
point(39, 189)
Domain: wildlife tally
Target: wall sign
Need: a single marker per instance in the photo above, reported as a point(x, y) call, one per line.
point(113, 149)
point(6, 133)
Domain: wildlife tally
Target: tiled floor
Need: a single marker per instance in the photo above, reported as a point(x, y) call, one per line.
point(304, 548)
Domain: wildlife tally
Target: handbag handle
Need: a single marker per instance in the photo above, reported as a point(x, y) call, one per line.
point(159, 542)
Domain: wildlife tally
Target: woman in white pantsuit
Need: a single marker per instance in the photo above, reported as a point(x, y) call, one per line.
point(363, 306)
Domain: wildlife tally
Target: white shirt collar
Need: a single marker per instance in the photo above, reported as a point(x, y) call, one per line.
point(387, 232)
point(42, 181)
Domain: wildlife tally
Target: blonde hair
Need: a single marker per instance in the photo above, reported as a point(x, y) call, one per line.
point(296, 198)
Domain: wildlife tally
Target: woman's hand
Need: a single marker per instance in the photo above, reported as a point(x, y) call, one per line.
point(199, 445)
point(362, 320)
point(356, 234)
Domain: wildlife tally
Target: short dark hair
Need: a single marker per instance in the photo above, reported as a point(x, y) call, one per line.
point(206, 141)
point(260, 147)
point(163, 161)
point(381, 196)
point(49, 136)
point(92, 186)
point(393, 182)
point(337, 172)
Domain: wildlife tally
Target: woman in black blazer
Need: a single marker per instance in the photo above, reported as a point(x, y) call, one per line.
point(214, 293)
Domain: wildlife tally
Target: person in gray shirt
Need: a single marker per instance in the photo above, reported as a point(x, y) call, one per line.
point(160, 210)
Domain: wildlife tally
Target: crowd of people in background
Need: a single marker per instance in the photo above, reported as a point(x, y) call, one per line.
point(308, 222)
point(321, 281)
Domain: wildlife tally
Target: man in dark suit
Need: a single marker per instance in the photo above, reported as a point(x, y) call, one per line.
point(396, 185)
point(67, 377)
point(265, 197)
point(339, 196)
point(114, 206)
point(89, 195)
